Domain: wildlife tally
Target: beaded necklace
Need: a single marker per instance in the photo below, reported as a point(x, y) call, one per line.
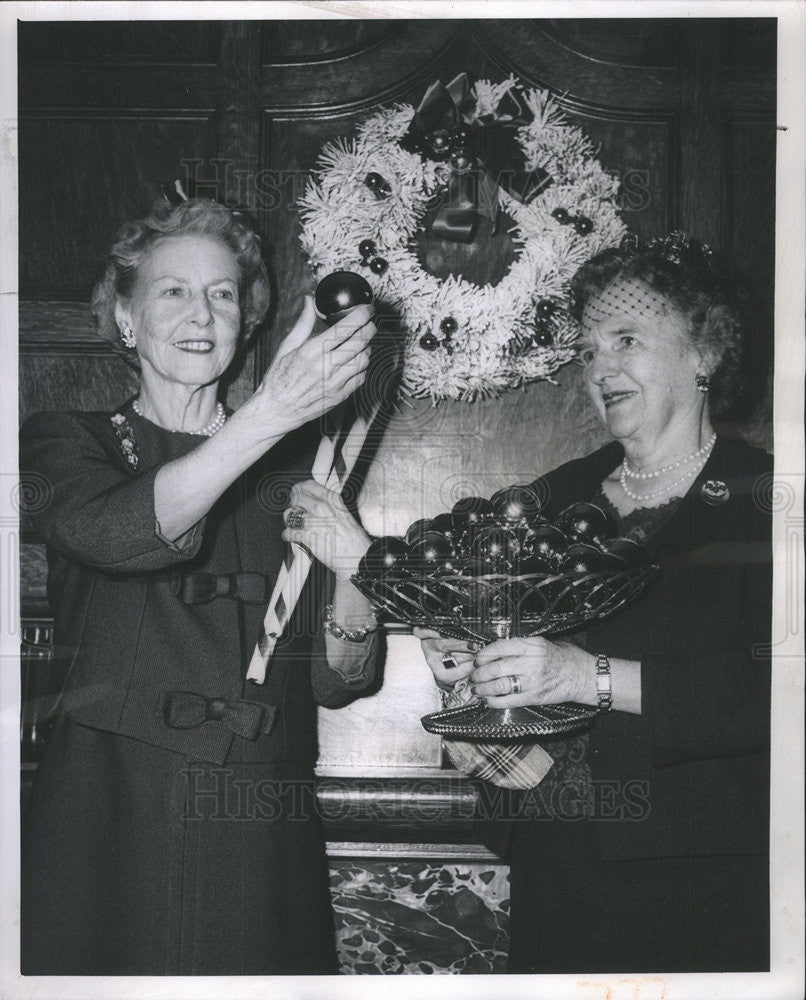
point(701, 455)
point(630, 474)
point(208, 430)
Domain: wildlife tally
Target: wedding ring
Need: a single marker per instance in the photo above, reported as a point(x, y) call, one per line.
point(295, 518)
point(515, 684)
point(448, 662)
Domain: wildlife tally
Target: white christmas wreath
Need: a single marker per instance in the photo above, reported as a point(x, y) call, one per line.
point(369, 196)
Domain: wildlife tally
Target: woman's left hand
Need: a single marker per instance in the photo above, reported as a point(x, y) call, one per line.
point(547, 672)
point(329, 531)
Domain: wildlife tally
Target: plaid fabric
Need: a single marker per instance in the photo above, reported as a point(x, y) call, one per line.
point(519, 765)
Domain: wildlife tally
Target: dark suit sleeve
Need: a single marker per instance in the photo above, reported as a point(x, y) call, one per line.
point(93, 510)
point(339, 674)
point(340, 670)
point(702, 635)
point(711, 698)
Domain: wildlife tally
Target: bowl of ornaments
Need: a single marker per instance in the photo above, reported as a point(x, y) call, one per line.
point(497, 568)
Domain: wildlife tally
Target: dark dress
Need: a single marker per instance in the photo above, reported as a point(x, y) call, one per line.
point(646, 846)
point(172, 827)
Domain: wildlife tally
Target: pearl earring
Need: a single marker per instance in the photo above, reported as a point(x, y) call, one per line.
point(127, 337)
point(702, 382)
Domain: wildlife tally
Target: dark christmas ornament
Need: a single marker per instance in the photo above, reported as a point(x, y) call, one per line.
point(464, 566)
point(468, 600)
point(443, 523)
point(430, 553)
point(627, 550)
point(440, 142)
point(460, 140)
point(526, 599)
point(378, 185)
point(448, 566)
point(495, 549)
point(384, 554)
point(583, 225)
point(542, 491)
point(562, 215)
point(367, 248)
point(339, 293)
point(612, 563)
point(545, 309)
point(469, 510)
point(529, 540)
point(547, 542)
point(417, 530)
point(378, 265)
point(448, 326)
point(585, 522)
point(581, 559)
point(429, 342)
point(537, 520)
point(461, 162)
point(542, 337)
point(515, 503)
point(534, 565)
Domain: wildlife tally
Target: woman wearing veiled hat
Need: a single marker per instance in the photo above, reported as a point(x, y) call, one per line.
point(645, 847)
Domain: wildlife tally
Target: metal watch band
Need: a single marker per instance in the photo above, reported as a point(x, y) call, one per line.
point(604, 683)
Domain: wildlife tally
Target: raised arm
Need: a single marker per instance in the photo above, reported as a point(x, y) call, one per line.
point(300, 386)
point(104, 514)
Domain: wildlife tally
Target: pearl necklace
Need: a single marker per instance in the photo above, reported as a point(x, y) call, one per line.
point(704, 454)
point(629, 474)
point(208, 430)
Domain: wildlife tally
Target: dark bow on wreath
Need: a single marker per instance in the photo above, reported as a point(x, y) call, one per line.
point(483, 151)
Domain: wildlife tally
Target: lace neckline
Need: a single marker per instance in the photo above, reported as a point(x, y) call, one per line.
point(641, 523)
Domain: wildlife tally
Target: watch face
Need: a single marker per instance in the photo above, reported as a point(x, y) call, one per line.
point(604, 694)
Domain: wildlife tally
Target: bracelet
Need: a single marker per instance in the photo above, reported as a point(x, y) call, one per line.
point(604, 683)
point(333, 627)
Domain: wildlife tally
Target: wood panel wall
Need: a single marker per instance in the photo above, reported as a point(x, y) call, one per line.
point(683, 111)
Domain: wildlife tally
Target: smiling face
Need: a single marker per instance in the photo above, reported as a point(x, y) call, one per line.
point(639, 366)
point(184, 311)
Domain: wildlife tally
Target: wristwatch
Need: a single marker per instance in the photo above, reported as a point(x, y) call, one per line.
point(604, 685)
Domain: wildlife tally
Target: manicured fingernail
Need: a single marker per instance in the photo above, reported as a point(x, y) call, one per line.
point(474, 647)
point(473, 689)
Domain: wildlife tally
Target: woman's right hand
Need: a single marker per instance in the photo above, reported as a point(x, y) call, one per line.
point(449, 659)
point(311, 375)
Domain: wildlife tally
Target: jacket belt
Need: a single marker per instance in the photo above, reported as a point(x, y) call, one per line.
point(200, 588)
point(187, 710)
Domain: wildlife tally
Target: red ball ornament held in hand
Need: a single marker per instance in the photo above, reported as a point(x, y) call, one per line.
point(339, 293)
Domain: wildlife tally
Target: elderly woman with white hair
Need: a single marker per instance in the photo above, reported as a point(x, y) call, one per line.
point(645, 846)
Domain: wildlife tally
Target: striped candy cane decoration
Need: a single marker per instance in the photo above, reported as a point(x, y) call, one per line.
point(335, 459)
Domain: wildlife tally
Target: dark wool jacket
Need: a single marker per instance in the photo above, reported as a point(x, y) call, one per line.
point(124, 637)
point(690, 774)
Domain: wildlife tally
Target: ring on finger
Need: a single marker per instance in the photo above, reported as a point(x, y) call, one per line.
point(295, 518)
point(514, 684)
point(448, 662)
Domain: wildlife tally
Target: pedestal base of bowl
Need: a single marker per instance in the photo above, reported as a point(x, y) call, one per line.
point(477, 721)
